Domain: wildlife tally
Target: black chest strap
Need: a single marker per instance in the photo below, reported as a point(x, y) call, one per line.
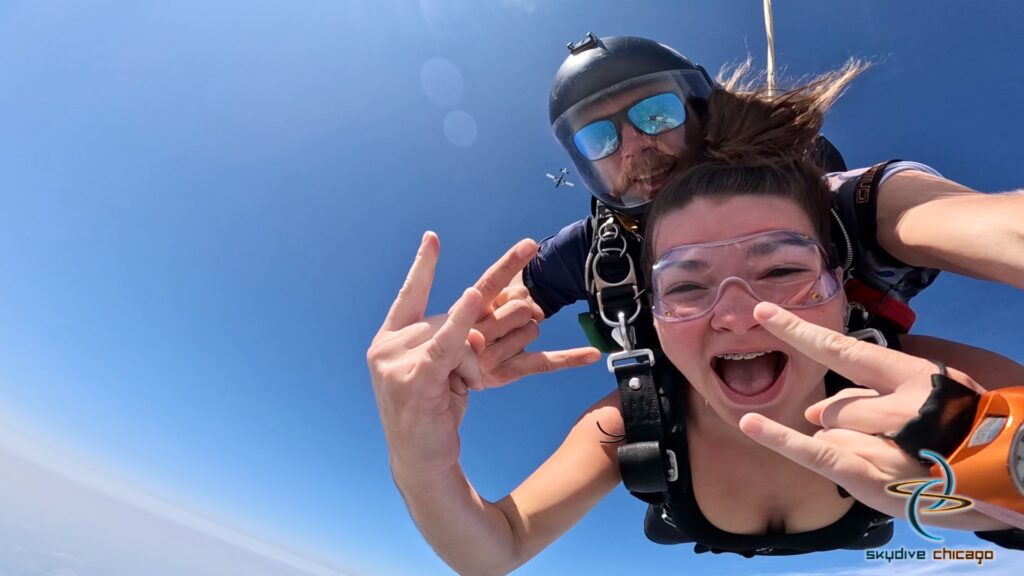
point(647, 463)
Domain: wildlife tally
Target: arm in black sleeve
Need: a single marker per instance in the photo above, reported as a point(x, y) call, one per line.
point(555, 276)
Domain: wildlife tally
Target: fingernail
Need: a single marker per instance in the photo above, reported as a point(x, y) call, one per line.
point(524, 250)
point(592, 357)
point(751, 424)
point(767, 311)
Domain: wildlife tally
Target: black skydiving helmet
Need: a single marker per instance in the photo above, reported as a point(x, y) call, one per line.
point(608, 83)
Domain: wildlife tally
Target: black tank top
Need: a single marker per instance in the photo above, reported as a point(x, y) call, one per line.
point(860, 528)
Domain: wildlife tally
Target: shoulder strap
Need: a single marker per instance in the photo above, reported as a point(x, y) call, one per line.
point(646, 385)
point(865, 200)
point(646, 462)
point(875, 282)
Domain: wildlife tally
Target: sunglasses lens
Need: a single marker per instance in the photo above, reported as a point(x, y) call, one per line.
point(597, 140)
point(658, 114)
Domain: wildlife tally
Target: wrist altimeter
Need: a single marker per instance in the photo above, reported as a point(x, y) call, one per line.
point(982, 438)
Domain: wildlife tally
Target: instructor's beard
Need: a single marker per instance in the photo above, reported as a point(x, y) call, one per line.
point(643, 175)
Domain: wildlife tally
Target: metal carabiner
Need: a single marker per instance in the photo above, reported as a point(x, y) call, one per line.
point(624, 332)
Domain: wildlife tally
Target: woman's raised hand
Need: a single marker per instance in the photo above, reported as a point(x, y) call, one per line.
point(422, 367)
point(851, 449)
point(897, 384)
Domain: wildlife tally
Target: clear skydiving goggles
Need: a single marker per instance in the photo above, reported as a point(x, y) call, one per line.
point(784, 267)
point(653, 104)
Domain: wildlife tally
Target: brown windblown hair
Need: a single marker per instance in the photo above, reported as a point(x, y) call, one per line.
point(758, 143)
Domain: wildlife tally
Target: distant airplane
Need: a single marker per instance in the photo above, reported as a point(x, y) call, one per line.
point(560, 179)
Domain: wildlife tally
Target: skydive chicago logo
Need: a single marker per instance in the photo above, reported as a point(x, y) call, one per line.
point(946, 501)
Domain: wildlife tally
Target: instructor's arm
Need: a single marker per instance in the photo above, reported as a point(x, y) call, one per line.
point(925, 220)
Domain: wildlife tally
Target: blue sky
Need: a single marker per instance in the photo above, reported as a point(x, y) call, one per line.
point(206, 208)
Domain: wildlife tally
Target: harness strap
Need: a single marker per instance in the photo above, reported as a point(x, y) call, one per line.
point(880, 304)
point(611, 271)
point(865, 194)
point(646, 463)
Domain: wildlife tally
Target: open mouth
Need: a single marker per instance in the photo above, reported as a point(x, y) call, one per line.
point(750, 377)
point(655, 177)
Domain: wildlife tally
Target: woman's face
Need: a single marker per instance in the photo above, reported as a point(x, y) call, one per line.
point(720, 353)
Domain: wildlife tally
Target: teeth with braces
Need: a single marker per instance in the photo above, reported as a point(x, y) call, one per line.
point(747, 356)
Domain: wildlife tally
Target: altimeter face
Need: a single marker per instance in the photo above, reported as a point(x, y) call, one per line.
point(1017, 459)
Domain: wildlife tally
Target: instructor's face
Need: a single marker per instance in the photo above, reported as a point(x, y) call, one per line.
point(643, 163)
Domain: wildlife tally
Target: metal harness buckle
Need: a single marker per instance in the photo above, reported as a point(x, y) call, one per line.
point(617, 357)
point(607, 234)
